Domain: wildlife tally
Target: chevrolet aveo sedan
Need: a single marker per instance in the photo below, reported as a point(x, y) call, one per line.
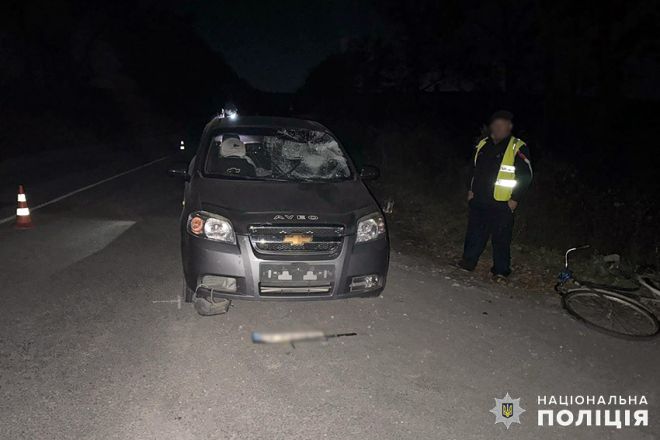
point(274, 209)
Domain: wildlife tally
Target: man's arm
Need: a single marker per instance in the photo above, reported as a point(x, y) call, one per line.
point(470, 179)
point(524, 173)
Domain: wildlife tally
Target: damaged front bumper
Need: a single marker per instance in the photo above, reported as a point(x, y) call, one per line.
point(237, 271)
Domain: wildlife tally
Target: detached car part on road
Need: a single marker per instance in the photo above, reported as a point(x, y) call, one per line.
point(274, 209)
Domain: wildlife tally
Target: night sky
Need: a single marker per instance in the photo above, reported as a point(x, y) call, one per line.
point(273, 47)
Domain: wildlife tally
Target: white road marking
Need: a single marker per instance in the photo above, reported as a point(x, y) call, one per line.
point(169, 301)
point(85, 188)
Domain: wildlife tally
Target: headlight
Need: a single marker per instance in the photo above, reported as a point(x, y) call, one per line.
point(370, 228)
point(211, 226)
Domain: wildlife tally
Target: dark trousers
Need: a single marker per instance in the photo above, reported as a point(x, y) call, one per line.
point(489, 220)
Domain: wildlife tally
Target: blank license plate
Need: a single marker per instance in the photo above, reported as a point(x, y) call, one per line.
point(297, 272)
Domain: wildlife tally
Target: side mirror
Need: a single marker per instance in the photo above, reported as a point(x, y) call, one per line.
point(369, 173)
point(179, 173)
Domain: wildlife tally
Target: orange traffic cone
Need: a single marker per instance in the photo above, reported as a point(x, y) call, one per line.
point(23, 219)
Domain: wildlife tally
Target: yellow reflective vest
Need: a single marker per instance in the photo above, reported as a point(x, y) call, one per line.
point(506, 177)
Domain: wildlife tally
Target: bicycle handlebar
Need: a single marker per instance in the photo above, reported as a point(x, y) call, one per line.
point(577, 248)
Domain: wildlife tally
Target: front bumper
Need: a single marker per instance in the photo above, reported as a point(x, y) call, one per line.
point(203, 257)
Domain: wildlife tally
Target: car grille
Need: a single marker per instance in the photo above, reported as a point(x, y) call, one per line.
point(297, 240)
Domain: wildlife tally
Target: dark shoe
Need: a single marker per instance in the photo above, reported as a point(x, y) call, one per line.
point(502, 273)
point(217, 306)
point(465, 265)
point(500, 279)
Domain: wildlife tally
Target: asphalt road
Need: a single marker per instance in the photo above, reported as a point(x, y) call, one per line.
point(87, 350)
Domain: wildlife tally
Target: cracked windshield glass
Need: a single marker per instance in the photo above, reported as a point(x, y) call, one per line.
point(281, 155)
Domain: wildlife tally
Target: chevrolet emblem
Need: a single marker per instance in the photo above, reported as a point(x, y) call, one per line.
point(297, 239)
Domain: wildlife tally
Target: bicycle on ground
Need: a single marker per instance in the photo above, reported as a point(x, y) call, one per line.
point(620, 311)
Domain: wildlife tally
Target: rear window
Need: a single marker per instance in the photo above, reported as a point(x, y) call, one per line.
point(276, 154)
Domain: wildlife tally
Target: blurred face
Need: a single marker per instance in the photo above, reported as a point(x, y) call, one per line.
point(500, 128)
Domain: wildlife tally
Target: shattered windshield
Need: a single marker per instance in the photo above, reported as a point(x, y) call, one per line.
point(276, 154)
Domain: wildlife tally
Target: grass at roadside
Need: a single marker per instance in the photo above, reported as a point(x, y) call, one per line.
point(434, 228)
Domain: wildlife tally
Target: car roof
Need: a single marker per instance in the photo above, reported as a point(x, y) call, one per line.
point(264, 122)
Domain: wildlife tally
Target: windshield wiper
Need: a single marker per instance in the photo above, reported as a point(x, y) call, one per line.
point(225, 176)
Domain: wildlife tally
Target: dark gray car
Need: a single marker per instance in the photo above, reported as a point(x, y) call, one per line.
point(274, 209)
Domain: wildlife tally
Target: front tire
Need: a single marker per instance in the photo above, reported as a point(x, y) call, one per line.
point(188, 294)
point(610, 312)
point(375, 294)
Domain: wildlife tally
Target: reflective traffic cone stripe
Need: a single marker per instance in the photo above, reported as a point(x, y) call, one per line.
point(23, 219)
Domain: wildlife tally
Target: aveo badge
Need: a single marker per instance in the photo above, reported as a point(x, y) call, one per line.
point(295, 217)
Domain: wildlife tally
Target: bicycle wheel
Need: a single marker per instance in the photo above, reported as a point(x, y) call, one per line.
point(611, 312)
point(608, 287)
point(651, 284)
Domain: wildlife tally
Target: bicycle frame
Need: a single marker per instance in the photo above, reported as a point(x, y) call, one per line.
point(627, 297)
point(578, 248)
point(650, 286)
point(567, 275)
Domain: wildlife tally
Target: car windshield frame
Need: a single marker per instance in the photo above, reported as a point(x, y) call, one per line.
point(263, 131)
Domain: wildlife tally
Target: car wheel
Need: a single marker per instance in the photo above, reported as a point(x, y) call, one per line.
point(187, 293)
point(374, 294)
point(370, 295)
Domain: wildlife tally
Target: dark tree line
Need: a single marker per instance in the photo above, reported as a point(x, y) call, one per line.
point(105, 68)
point(512, 46)
point(562, 53)
point(580, 76)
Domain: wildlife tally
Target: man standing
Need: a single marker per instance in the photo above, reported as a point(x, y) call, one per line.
point(500, 175)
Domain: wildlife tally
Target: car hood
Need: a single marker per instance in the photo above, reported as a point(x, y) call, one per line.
point(248, 202)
